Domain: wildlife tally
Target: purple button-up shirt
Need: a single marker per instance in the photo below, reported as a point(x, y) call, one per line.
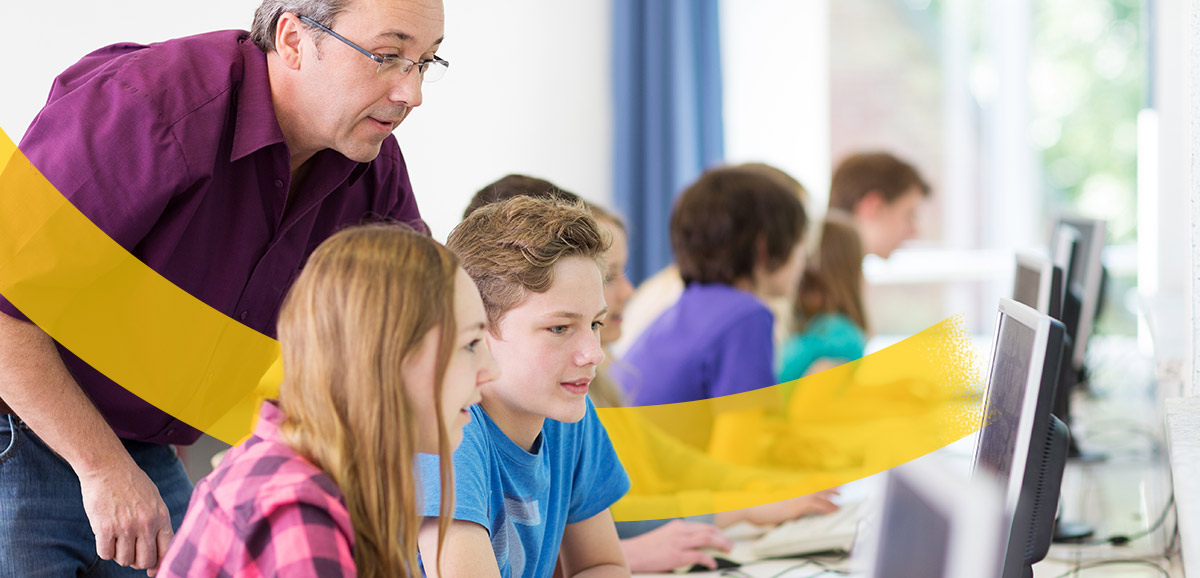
point(174, 151)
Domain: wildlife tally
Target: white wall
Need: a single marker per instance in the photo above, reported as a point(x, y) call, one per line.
point(528, 89)
point(1167, 192)
point(1192, 184)
point(42, 38)
point(775, 59)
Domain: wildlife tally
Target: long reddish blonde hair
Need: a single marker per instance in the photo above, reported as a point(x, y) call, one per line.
point(366, 299)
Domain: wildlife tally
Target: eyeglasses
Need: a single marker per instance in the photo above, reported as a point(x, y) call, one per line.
point(431, 70)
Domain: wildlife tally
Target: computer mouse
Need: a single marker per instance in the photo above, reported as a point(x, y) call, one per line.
point(722, 564)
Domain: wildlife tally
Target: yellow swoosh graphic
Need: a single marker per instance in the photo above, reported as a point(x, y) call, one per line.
point(211, 372)
point(120, 316)
point(841, 425)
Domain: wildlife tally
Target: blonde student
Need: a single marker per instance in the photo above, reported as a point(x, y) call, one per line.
point(536, 473)
point(383, 351)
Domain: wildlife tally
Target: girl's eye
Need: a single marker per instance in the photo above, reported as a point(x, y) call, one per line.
point(471, 346)
point(558, 329)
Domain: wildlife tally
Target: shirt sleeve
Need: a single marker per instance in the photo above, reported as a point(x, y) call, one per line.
point(300, 540)
point(102, 144)
point(745, 355)
point(600, 479)
point(471, 480)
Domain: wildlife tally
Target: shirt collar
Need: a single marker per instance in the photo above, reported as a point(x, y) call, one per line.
point(255, 126)
point(269, 419)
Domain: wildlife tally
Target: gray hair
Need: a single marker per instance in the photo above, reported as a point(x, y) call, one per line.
point(266, 18)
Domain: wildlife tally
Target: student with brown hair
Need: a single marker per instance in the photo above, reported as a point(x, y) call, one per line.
point(830, 320)
point(325, 486)
point(882, 193)
point(517, 185)
point(536, 473)
point(737, 235)
point(658, 545)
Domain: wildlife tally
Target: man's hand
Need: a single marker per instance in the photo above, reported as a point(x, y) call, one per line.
point(677, 543)
point(128, 516)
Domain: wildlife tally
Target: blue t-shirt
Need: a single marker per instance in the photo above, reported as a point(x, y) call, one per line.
point(525, 500)
point(827, 335)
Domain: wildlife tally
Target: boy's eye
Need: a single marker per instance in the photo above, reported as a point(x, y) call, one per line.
point(558, 329)
point(596, 325)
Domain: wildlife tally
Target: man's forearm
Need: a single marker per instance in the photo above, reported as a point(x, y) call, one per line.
point(35, 383)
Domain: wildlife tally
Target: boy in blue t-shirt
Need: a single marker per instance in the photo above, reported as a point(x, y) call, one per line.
point(535, 473)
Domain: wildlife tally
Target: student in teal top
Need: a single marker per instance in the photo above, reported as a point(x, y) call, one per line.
point(873, 202)
point(830, 319)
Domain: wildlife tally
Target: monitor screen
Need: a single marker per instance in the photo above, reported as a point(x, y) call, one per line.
point(1021, 444)
point(914, 535)
point(1028, 283)
point(1084, 276)
point(1006, 397)
point(1038, 284)
point(936, 523)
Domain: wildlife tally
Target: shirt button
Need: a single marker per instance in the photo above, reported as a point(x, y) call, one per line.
point(243, 315)
point(278, 184)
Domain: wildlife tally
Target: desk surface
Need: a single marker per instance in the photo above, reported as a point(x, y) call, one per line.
point(1124, 495)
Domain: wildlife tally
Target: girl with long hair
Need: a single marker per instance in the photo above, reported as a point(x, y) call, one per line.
point(383, 351)
point(830, 320)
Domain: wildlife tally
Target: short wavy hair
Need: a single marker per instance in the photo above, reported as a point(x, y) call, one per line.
point(884, 173)
point(723, 223)
point(510, 248)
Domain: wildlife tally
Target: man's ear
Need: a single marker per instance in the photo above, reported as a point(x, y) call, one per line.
point(869, 205)
point(289, 40)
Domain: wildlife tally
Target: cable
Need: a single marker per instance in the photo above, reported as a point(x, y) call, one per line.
point(824, 569)
point(1122, 539)
point(1076, 569)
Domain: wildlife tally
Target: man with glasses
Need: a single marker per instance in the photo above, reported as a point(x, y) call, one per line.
point(219, 160)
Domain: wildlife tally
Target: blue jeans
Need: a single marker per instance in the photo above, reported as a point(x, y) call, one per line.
point(44, 531)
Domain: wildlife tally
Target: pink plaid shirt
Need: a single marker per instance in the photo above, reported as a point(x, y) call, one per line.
point(265, 511)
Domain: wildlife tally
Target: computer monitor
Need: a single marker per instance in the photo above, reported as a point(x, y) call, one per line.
point(1085, 274)
point(936, 523)
point(1038, 284)
point(1021, 443)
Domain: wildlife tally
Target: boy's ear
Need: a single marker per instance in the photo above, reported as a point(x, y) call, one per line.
point(869, 205)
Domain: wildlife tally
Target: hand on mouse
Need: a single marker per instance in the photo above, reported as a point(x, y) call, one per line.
point(677, 543)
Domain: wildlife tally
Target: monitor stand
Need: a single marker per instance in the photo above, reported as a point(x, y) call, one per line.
point(1071, 531)
point(1067, 381)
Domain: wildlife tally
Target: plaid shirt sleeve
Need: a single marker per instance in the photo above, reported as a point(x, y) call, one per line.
point(300, 540)
point(293, 536)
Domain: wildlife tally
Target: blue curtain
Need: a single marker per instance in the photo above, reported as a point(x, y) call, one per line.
point(667, 114)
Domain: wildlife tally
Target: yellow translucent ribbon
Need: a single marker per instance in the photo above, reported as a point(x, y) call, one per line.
point(120, 316)
point(206, 369)
point(840, 425)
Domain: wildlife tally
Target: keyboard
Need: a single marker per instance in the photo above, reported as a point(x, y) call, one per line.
point(813, 534)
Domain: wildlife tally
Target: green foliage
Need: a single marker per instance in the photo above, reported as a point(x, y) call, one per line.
point(1088, 79)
